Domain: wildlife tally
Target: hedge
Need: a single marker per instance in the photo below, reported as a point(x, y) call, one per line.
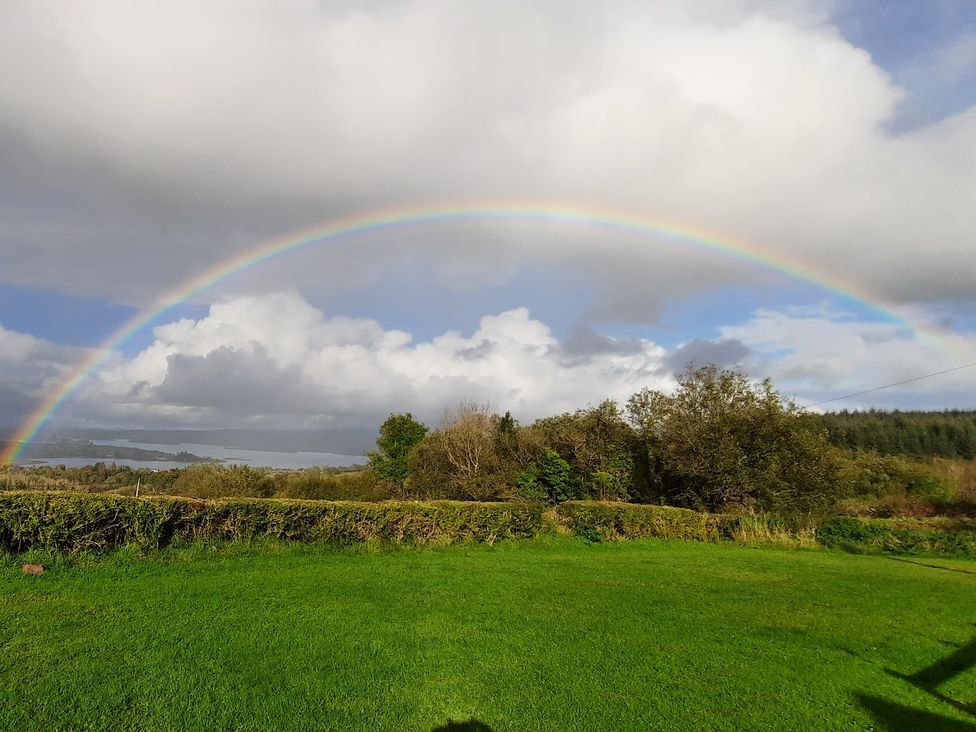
point(608, 521)
point(68, 522)
point(72, 522)
point(893, 536)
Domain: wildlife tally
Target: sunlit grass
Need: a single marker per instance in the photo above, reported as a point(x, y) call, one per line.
point(551, 634)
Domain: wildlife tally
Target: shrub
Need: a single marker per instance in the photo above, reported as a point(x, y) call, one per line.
point(871, 474)
point(219, 481)
point(609, 521)
point(461, 459)
point(324, 485)
point(598, 448)
point(888, 535)
point(527, 486)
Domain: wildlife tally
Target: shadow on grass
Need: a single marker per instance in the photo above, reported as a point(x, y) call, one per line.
point(956, 663)
point(899, 718)
point(472, 725)
point(930, 566)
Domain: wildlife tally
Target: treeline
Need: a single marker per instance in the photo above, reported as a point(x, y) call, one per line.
point(720, 442)
point(948, 434)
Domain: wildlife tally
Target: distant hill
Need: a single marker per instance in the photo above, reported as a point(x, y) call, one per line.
point(950, 434)
point(352, 441)
point(64, 449)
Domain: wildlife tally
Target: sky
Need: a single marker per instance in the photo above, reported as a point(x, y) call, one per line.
point(144, 143)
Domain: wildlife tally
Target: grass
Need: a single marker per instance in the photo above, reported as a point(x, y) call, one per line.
point(547, 634)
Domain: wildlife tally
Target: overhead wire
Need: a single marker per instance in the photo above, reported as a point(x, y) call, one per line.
point(895, 383)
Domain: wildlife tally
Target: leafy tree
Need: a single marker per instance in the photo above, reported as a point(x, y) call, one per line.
point(398, 435)
point(721, 442)
point(599, 446)
point(554, 475)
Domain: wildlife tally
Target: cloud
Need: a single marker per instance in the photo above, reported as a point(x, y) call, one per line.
point(29, 369)
point(819, 356)
point(723, 352)
point(275, 360)
point(144, 141)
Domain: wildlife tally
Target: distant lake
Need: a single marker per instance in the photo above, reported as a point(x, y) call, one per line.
point(234, 456)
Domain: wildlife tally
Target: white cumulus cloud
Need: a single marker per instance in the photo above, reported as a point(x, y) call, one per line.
point(275, 359)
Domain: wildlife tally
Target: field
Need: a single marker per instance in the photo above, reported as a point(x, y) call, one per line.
point(544, 634)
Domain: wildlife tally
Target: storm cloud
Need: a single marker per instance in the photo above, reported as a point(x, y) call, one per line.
point(143, 141)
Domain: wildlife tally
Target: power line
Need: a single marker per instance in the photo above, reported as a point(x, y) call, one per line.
point(896, 383)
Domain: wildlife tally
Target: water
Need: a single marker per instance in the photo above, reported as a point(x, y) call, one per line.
point(230, 455)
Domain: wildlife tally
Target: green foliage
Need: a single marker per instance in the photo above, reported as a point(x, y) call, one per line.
point(507, 430)
point(219, 481)
point(462, 459)
point(871, 474)
point(950, 434)
point(92, 478)
point(398, 435)
point(554, 476)
point(888, 536)
point(527, 486)
point(326, 485)
point(608, 521)
point(598, 446)
point(722, 442)
point(73, 522)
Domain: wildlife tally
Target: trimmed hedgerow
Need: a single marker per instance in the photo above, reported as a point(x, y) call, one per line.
point(69, 522)
point(72, 522)
point(892, 536)
point(597, 521)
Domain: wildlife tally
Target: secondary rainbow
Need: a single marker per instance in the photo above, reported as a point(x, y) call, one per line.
point(621, 221)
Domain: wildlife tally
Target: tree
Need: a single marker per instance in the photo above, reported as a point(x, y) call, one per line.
point(398, 435)
point(598, 445)
point(722, 442)
point(462, 458)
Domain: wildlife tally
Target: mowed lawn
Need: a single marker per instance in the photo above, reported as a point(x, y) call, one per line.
point(559, 635)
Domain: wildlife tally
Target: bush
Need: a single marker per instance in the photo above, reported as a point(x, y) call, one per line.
point(218, 481)
point(609, 521)
point(890, 536)
point(871, 474)
point(70, 522)
point(596, 448)
point(317, 484)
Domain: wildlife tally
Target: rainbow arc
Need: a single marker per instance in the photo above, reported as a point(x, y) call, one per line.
point(394, 218)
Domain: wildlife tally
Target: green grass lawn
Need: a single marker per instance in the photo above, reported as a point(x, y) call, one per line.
point(537, 635)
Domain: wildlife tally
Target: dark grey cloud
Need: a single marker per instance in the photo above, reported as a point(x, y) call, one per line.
point(29, 368)
point(260, 128)
point(583, 341)
point(234, 381)
point(15, 406)
point(698, 352)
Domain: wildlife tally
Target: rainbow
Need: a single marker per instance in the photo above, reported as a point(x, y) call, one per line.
point(620, 221)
